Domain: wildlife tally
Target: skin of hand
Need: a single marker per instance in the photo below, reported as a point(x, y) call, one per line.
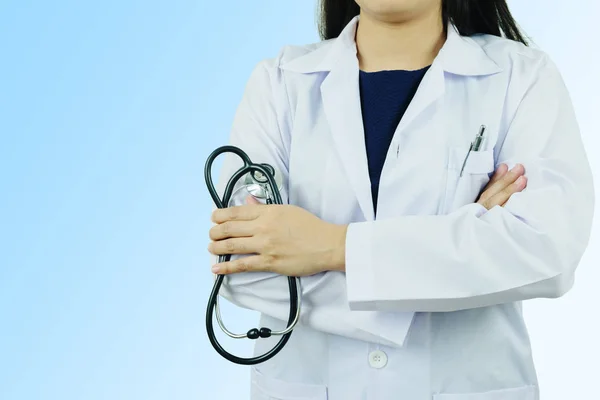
point(289, 240)
point(502, 185)
point(284, 239)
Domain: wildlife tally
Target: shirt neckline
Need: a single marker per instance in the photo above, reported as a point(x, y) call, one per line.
point(399, 71)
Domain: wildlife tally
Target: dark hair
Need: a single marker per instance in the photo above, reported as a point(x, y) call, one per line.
point(469, 16)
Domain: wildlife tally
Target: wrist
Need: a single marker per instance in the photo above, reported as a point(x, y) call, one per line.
point(338, 248)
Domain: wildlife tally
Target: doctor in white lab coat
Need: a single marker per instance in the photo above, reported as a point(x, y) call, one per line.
point(424, 300)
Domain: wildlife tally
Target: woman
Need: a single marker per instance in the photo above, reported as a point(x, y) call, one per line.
point(414, 262)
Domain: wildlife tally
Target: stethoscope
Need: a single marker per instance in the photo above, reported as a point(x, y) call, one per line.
point(260, 181)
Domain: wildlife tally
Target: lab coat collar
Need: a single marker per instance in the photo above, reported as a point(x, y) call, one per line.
point(460, 55)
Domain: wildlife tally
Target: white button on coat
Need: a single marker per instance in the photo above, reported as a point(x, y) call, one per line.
point(433, 260)
point(377, 359)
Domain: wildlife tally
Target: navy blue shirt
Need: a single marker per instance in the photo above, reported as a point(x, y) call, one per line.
point(384, 96)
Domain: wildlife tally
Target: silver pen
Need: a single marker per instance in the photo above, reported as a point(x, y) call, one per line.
point(475, 146)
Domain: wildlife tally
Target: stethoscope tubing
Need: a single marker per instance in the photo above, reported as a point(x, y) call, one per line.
point(213, 301)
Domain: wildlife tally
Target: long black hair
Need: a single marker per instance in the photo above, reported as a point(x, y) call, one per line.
point(469, 16)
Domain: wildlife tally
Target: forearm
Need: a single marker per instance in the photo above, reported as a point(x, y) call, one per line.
point(471, 258)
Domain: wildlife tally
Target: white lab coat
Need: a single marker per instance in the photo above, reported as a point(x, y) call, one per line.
point(432, 260)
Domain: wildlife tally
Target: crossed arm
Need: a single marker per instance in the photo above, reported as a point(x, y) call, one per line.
point(509, 251)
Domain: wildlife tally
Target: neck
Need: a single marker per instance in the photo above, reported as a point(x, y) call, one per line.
point(409, 45)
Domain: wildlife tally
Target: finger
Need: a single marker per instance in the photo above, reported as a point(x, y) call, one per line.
point(508, 179)
point(498, 174)
point(502, 197)
point(506, 194)
point(234, 246)
point(244, 264)
point(231, 229)
point(236, 213)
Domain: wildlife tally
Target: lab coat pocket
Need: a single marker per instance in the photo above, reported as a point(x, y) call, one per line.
point(268, 388)
point(465, 189)
point(518, 393)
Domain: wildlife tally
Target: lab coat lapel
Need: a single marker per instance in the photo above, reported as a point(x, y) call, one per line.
point(459, 56)
point(341, 102)
point(431, 89)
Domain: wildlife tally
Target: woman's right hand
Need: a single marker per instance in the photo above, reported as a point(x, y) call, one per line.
point(502, 185)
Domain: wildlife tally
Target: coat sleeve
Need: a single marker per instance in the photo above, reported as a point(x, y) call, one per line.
point(474, 257)
point(261, 129)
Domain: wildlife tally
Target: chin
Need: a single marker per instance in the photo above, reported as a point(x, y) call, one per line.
point(395, 10)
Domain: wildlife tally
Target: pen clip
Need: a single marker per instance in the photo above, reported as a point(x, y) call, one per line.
point(475, 145)
point(479, 138)
point(465, 161)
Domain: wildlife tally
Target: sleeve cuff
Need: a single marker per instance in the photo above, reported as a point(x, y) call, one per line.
point(359, 274)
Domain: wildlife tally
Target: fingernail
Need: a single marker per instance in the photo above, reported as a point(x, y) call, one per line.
point(215, 269)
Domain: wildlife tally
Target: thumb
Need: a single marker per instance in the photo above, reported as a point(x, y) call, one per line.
point(252, 200)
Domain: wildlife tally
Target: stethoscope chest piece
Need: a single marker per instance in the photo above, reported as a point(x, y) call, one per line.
point(257, 185)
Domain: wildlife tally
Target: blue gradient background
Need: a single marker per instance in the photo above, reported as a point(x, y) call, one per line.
point(107, 113)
